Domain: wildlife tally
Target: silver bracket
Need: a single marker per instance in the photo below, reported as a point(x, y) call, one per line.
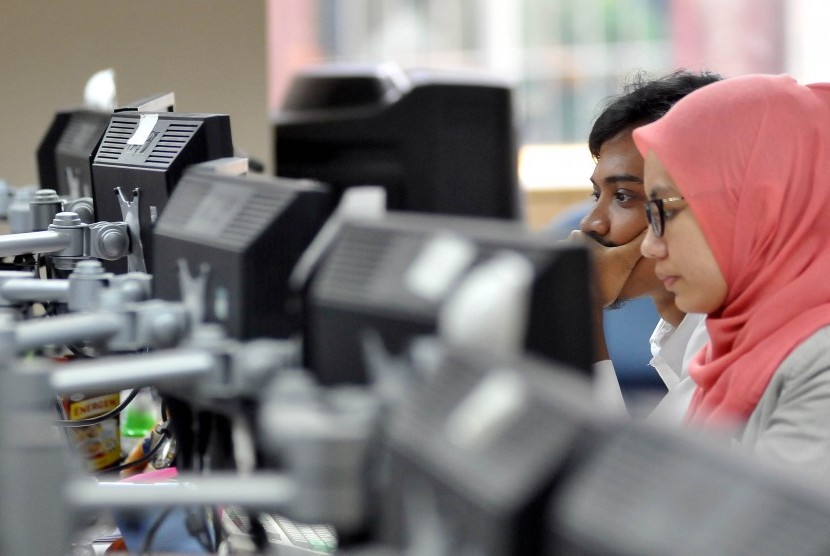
point(129, 213)
point(194, 290)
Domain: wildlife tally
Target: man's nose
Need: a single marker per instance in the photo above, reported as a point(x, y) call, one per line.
point(596, 221)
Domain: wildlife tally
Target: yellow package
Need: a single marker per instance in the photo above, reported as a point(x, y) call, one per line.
point(99, 445)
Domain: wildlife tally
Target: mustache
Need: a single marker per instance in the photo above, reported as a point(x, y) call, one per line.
point(599, 239)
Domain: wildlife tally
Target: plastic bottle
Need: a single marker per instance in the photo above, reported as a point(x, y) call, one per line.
point(138, 419)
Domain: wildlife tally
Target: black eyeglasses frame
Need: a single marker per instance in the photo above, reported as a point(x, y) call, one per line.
point(656, 214)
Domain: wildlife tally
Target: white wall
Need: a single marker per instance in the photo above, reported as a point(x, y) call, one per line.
point(211, 54)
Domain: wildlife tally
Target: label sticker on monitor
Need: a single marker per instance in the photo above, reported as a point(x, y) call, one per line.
point(438, 266)
point(146, 123)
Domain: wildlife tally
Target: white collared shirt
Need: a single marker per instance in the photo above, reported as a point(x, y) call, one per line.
point(672, 349)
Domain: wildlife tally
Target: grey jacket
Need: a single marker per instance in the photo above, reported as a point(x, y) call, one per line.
point(791, 423)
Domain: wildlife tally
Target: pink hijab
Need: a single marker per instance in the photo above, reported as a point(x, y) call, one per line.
point(751, 155)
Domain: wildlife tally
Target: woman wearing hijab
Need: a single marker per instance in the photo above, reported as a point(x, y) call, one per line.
point(738, 179)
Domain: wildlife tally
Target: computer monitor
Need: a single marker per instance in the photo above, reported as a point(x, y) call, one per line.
point(437, 141)
point(648, 490)
point(474, 449)
point(160, 102)
point(248, 232)
point(149, 152)
point(64, 156)
point(491, 456)
point(376, 274)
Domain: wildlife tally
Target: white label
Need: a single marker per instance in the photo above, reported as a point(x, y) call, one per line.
point(145, 126)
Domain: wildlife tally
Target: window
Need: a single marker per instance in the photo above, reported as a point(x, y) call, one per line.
point(564, 57)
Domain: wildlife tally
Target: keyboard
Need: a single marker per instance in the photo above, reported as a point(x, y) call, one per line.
point(285, 535)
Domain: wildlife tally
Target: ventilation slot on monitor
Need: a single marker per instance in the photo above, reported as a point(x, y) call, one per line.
point(71, 134)
point(115, 139)
point(254, 216)
point(349, 275)
point(171, 143)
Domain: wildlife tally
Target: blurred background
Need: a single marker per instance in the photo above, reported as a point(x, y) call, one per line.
point(563, 56)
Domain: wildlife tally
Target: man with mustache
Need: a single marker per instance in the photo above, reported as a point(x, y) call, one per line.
point(616, 223)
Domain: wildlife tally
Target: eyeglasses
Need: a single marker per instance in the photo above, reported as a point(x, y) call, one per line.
point(656, 214)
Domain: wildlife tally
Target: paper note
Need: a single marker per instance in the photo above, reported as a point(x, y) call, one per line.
point(145, 127)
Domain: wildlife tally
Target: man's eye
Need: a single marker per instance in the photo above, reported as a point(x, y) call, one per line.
point(623, 197)
point(595, 195)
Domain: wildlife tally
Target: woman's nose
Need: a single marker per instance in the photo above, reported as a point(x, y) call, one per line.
point(652, 247)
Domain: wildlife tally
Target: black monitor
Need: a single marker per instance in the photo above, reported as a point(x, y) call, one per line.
point(64, 156)
point(437, 141)
point(365, 283)
point(149, 152)
point(491, 456)
point(249, 231)
point(474, 450)
point(648, 490)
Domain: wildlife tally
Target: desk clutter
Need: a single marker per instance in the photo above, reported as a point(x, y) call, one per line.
point(367, 353)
